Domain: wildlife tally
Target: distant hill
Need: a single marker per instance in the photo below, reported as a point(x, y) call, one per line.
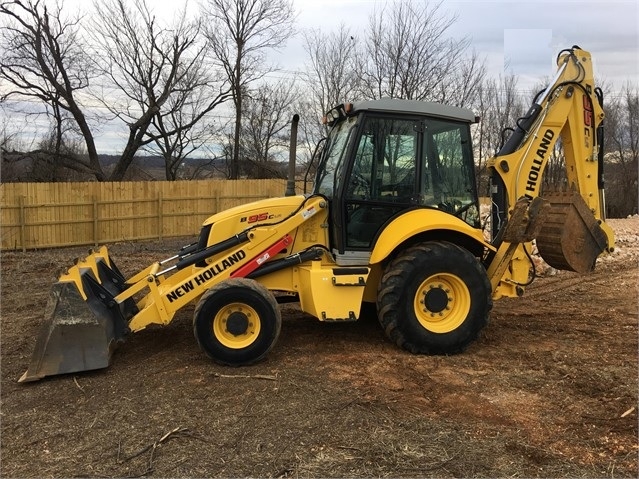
point(36, 167)
point(153, 161)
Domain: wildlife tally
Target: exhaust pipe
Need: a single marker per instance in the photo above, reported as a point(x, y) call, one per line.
point(290, 184)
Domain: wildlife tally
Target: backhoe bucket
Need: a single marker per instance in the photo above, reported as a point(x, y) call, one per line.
point(570, 237)
point(83, 323)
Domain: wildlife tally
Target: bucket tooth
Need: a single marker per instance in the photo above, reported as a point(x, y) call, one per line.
point(83, 323)
point(570, 237)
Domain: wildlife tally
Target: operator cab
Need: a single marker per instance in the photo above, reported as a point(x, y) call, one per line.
point(385, 157)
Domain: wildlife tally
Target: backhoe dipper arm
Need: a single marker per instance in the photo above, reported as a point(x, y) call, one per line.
point(570, 110)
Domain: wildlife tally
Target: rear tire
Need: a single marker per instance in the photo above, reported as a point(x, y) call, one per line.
point(434, 298)
point(237, 322)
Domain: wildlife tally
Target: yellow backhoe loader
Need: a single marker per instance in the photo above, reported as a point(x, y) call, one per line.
point(393, 220)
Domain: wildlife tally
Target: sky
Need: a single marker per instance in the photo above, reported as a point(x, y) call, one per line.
point(513, 37)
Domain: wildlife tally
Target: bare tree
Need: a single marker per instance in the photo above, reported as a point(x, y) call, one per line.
point(265, 130)
point(184, 124)
point(331, 74)
point(621, 127)
point(175, 140)
point(239, 32)
point(44, 59)
point(407, 54)
point(331, 78)
point(498, 105)
point(8, 136)
point(147, 64)
point(461, 87)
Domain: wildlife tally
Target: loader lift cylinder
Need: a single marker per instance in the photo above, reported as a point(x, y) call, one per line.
point(280, 264)
point(211, 250)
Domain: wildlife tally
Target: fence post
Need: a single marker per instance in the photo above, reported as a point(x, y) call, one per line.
point(95, 220)
point(160, 215)
point(217, 202)
point(22, 224)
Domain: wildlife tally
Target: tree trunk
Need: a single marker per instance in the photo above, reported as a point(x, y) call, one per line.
point(235, 162)
point(132, 146)
point(92, 152)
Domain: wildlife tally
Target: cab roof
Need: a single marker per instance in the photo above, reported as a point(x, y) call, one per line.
point(395, 105)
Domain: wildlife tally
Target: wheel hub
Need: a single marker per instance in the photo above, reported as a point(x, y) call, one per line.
point(442, 302)
point(436, 300)
point(237, 323)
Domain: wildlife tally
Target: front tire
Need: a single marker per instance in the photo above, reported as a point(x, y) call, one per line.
point(434, 298)
point(237, 322)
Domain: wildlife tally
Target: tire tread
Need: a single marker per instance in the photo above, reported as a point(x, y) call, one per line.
point(393, 281)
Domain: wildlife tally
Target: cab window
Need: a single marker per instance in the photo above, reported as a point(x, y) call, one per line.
point(382, 180)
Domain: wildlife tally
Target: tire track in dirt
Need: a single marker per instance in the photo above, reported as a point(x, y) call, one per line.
point(564, 281)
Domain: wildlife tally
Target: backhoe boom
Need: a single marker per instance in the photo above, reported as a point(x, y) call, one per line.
point(568, 111)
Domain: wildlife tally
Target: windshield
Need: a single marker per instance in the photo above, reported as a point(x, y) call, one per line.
point(332, 164)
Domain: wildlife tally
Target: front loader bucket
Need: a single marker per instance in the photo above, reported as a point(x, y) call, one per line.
point(570, 237)
point(83, 323)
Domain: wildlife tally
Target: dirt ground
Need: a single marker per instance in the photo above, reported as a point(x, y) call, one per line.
point(549, 390)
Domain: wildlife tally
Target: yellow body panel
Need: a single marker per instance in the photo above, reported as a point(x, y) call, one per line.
point(330, 297)
point(321, 293)
point(274, 208)
point(419, 221)
point(234, 220)
point(262, 214)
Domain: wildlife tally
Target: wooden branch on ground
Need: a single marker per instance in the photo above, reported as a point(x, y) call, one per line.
point(245, 376)
point(152, 447)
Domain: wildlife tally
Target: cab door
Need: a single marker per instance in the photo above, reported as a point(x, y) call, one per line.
point(383, 178)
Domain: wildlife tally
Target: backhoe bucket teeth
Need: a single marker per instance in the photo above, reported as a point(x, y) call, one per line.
point(83, 323)
point(570, 237)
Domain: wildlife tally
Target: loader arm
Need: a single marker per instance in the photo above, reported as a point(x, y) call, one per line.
point(92, 307)
point(250, 250)
point(571, 230)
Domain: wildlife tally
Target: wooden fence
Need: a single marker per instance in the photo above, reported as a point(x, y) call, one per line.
point(44, 215)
